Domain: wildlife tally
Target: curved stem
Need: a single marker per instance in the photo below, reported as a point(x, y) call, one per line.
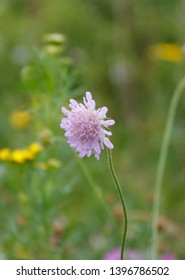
point(161, 165)
point(121, 198)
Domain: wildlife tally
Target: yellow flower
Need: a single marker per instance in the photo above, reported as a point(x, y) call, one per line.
point(168, 52)
point(20, 119)
point(5, 154)
point(35, 148)
point(18, 156)
point(28, 155)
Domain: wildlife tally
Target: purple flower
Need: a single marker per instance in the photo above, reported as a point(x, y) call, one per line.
point(134, 255)
point(168, 256)
point(87, 128)
point(129, 255)
point(113, 255)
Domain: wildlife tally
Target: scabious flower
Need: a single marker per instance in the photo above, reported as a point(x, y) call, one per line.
point(87, 128)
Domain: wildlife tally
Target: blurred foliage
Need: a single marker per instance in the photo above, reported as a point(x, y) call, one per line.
point(117, 50)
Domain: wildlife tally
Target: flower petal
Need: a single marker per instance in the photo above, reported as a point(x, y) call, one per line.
point(107, 143)
point(82, 154)
point(73, 103)
point(88, 96)
point(97, 148)
point(97, 156)
point(88, 101)
point(65, 111)
point(102, 112)
point(108, 123)
point(107, 132)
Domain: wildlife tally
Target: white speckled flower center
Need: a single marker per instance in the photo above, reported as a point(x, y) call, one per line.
point(86, 127)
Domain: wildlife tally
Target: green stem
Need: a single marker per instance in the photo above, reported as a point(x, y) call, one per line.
point(121, 198)
point(161, 165)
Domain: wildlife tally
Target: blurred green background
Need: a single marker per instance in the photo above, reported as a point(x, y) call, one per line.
point(50, 211)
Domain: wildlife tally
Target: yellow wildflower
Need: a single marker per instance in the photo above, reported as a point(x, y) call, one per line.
point(18, 156)
point(35, 148)
point(20, 119)
point(5, 154)
point(168, 52)
point(21, 155)
point(28, 155)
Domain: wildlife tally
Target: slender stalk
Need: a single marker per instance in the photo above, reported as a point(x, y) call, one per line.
point(109, 154)
point(161, 165)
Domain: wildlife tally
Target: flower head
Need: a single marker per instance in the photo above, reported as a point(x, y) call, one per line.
point(20, 119)
point(35, 148)
point(5, 154)
point(20, 155)
point(87, 128)
point(169, 52)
